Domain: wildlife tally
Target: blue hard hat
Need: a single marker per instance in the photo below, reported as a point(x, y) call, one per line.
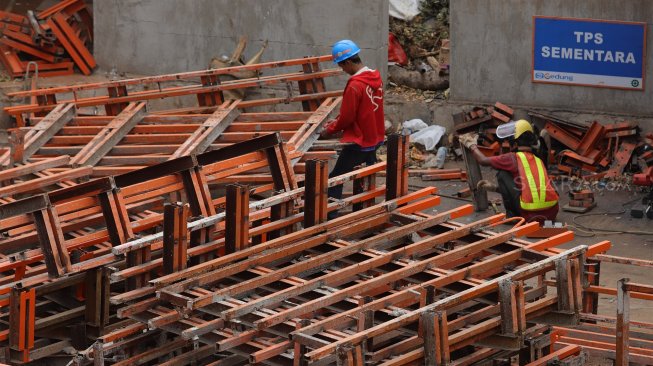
point(343, 50)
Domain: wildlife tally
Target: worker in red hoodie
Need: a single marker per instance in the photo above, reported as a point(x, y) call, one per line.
point(361, 118)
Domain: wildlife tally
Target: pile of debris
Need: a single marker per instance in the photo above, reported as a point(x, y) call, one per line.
point(596, 151)
point(423, 31)
point(53, 40)
point(419, 44)
point(484, 121)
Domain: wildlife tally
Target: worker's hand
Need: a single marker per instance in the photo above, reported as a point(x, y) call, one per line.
point(330, 123)
point(486, 185)
point(468, 140)
point(325, 134)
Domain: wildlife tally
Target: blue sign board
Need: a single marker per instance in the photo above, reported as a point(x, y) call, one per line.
point(589, 52)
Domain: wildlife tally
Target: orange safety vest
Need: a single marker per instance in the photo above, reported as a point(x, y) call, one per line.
point(537, 193)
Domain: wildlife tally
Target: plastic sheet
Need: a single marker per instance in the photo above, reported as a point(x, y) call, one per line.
point(429, 137)
point(404, 9)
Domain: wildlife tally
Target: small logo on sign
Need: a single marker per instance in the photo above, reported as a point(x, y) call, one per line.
point(539, 75)
point(634, 83)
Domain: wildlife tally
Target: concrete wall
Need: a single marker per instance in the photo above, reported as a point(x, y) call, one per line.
point(491, 55)
point(168, 36)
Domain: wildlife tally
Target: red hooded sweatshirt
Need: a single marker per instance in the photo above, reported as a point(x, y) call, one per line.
point(361, 114)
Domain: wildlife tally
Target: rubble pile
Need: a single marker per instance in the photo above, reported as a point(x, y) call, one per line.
point(419, 46)
point(52, 41)
point(595, 151)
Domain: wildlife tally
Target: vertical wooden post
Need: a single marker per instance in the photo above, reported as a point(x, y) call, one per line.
point(311, 193)
point(366, 321)
point(512, 307)
point(443, 341)
point(591, 299)
point(237, 219)
point(300, 349)
point(431, 350)
point(97, 301)
point(397, 168)
point(436, 338)
point(315, 193)
point(175, 237)
point(22, 304)
point(508, 307)
point(428, 296)
point(623, 322)
point(576, 285)
point(564, 285)
point(283, 178)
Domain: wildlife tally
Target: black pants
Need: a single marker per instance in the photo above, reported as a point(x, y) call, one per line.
point(350, 157)
point(510, 194)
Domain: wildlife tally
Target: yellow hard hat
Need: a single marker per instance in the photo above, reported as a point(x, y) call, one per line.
point(522, 126)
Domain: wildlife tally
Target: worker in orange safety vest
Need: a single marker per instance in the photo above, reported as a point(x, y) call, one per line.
point(522, 178)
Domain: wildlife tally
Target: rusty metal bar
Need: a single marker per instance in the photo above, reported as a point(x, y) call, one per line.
point(204, 136)
point(110, 135)
point(157, 93)
point(41, 133)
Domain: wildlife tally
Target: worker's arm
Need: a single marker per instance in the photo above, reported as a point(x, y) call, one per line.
point(469, 141)
point(348, 110)
point(479, 156)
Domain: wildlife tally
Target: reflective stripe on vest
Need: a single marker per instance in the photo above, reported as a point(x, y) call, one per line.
point(538, 191)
